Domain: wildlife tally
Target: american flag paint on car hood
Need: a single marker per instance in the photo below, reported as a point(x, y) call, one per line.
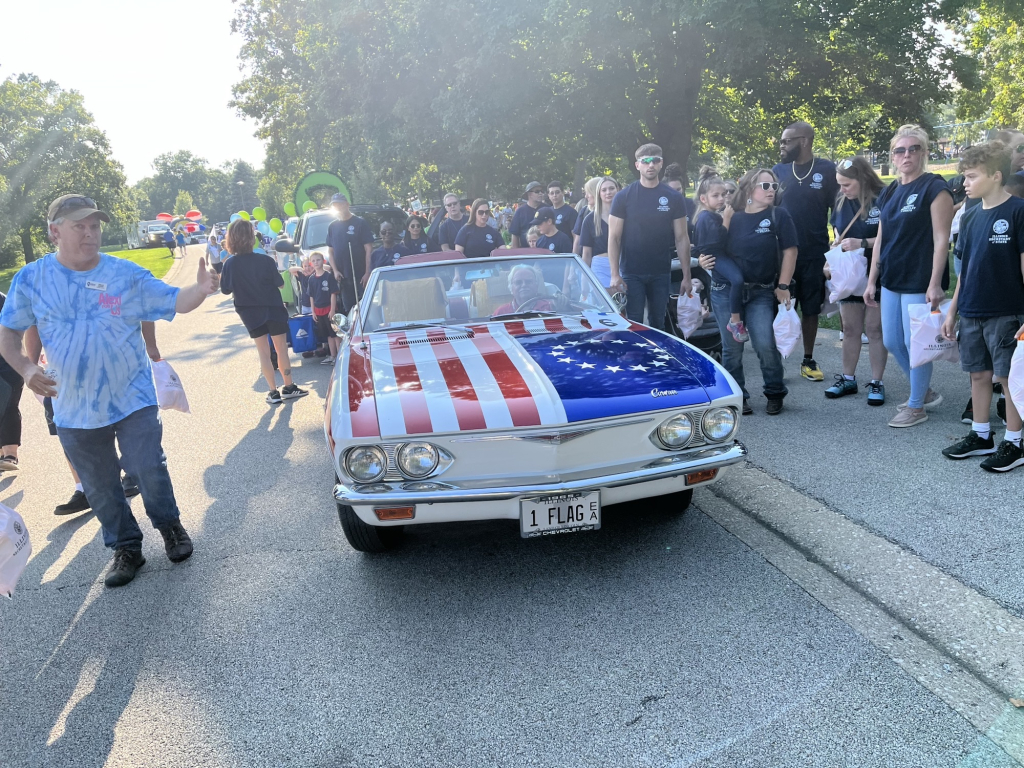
point(519, 374)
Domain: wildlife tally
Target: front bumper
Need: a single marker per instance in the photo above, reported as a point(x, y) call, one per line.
point(666, 468)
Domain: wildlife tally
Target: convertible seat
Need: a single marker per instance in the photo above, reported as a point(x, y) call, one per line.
point(409, 300)
point(489, 293)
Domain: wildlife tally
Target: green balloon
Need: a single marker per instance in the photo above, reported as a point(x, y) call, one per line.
point(245, 215)
point(259, 214)
point(276, 225)
point(309, 205)
point(289, 209)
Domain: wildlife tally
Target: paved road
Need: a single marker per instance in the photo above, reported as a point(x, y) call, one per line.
point(659, 641)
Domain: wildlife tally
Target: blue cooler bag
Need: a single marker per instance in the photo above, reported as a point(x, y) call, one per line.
point(302, 333)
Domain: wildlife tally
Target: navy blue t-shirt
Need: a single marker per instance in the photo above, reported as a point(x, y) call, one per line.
point(449, 230)
point(423, 245)
point(386, 257)
point(648, 233)
point(304, 298)
point(522, 220)
point(321, 287)
point(565, 220)
point(992, 241)
point(577, 228)
point(808, 202)
point(861, 229)
point(907, 243)
point(709, 234)
point(756, 242)
point(355, 232)
point(478, 242)
point(588, 239)
point(557, 243)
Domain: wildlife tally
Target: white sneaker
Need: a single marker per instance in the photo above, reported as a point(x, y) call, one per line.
point(840, 335)
point(863, 338)
point(327, 361)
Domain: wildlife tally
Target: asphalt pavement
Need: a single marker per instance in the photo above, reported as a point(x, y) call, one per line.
point(660, 640)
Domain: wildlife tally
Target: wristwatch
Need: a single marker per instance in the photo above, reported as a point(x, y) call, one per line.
point(864, 243)
point(783, 286)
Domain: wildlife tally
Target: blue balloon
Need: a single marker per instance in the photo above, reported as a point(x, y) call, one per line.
point(263, 227)
point(233, 217)
point(202, 227)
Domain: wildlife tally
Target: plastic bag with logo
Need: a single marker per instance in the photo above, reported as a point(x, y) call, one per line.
point(849, 273)
point(690, 311)
point(170, 394)
point(927, 344)
point(787, 329)
point(15, 549)
point(1016, 378)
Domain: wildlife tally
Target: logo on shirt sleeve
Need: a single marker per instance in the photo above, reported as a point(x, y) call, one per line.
point(1000, 228)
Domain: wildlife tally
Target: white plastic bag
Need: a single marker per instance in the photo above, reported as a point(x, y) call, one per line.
point(15, 549)
point(1016, 379)
point(849, 273)
point(927, 344)
point(170, 394)
point(787, 329)
point(690, 311)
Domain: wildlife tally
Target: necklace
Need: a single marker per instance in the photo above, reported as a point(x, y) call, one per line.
point(800, 179)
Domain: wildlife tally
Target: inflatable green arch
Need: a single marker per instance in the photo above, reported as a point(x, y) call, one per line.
point(318, 187)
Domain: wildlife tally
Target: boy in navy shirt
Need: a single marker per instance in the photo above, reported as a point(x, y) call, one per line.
point(323, 292)
point(391, 250)
point(990, 300)
point(565, 215)
point(551, 237)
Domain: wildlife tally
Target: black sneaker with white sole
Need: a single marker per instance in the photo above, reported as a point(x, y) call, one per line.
point(291, 391)
point(972, 445)
point(274, 397)
point(1006, 458)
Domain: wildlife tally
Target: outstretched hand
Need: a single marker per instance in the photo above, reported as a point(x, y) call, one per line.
point(207, 280)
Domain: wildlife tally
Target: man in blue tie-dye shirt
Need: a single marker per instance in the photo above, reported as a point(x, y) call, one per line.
point(89, 308)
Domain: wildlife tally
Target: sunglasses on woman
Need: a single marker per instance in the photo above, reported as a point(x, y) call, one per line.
point(766, 185)
point(900, 151)
point(482, 211)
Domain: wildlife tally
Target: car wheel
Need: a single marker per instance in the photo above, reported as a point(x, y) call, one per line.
point(368, 538)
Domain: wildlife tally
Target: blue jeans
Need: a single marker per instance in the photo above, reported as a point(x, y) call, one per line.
point(651, 291)
point(758, 313)
point(93, 455)
point(896, 337)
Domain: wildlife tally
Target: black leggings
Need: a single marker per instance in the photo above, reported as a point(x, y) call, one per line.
point(10, 420)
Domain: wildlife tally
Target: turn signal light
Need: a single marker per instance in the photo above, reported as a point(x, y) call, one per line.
point(701, 477)
point(394, 513)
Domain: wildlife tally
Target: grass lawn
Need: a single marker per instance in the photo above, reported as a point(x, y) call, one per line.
point(156, 260)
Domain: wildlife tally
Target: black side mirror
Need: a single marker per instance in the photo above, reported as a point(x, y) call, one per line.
point(284, 245)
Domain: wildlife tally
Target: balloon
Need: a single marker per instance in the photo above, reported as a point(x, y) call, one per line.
point(194, 214)
point(276, 225)
point(190, 228)
point(245, 215)
point(164, 217)
point(259, 214)
point(289, 209)
point(202, 227)
point(309, 205)
point(262, 226)
point(233, 217)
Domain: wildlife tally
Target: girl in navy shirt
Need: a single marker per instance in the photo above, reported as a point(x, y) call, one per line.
point(416, 240)
point(855, 219)
point(478, 238)
point(594, 231)
point(911, 252)
point(710, 233)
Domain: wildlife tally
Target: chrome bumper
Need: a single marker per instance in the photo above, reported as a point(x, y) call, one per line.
point(672, 465)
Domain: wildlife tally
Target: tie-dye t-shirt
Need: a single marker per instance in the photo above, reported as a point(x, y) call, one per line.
point(90, 324)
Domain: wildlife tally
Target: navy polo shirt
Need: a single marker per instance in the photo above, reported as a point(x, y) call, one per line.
point(565, 220)
point(588, 239)
point(992, 241)
point(522, 220)
point(449, 230)
point(557, 243)
point(648, 232)
point(478, 242)
point(861, 229)
point(321, 287)
point(340, 235)
point(756, 242)
point(709, 234)
point(386, 257)
point(808, 201)
point(907, 243)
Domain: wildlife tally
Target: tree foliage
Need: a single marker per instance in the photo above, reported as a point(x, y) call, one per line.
point(214, 191)
point(993, 35)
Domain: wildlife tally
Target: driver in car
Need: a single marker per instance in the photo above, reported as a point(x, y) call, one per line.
point(526, 284)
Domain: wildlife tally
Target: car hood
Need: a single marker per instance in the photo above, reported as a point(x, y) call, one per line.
point(527, 373)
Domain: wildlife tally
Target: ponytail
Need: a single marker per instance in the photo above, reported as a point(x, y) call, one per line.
point(707, 179)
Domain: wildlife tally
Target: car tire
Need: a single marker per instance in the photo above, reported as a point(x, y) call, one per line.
point(679, 501)
point(368, 538)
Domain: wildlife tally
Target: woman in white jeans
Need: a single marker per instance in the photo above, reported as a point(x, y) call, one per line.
point(911, 259)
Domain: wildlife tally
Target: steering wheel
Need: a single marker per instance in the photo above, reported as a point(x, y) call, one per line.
point(527, 305)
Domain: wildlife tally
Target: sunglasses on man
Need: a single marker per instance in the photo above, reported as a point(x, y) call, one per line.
point(653, 160)
point(911, 150)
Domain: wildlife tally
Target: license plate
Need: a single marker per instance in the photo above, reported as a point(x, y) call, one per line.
point(561, 513)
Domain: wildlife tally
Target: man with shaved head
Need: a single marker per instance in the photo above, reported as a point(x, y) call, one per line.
point(809, 190)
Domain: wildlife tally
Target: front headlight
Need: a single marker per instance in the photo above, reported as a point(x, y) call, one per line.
point(718, 424)
point(366, 463)
point(676, 432)
point(417, 459)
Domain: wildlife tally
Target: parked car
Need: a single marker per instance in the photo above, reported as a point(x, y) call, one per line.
point(460, 395)
point(311, 230)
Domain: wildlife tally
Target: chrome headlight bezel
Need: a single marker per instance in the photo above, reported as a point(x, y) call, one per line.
point(377, 454)
point(683, 427)
point(713, 414)
point(403, 451)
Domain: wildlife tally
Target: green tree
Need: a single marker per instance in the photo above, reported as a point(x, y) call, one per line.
point(993, 33)
point(183, 203)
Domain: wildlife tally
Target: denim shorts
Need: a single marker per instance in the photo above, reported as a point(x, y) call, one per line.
point(988, 343)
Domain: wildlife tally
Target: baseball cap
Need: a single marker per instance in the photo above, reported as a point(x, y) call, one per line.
point(547, 213)
point(338, 198)
point(75, 208)
point(533, 185)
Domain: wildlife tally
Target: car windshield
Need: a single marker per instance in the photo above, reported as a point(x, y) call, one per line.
point(457, 292)
point(158, 227)
point(314, 231)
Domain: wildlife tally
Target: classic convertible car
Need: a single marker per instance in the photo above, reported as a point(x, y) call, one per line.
point(510, 387)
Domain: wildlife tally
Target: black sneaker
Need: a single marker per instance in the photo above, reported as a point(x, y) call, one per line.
point(1001, 409)
point(972, 445)
point(1006, 458)
point(77, 503)
point(967, 417)
point(774, 406)
point(747, 409)
point(291, 391)
point(176, 542)
point(127, 562)
point(8, 463)
point(131, 488)
point(274, 397)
